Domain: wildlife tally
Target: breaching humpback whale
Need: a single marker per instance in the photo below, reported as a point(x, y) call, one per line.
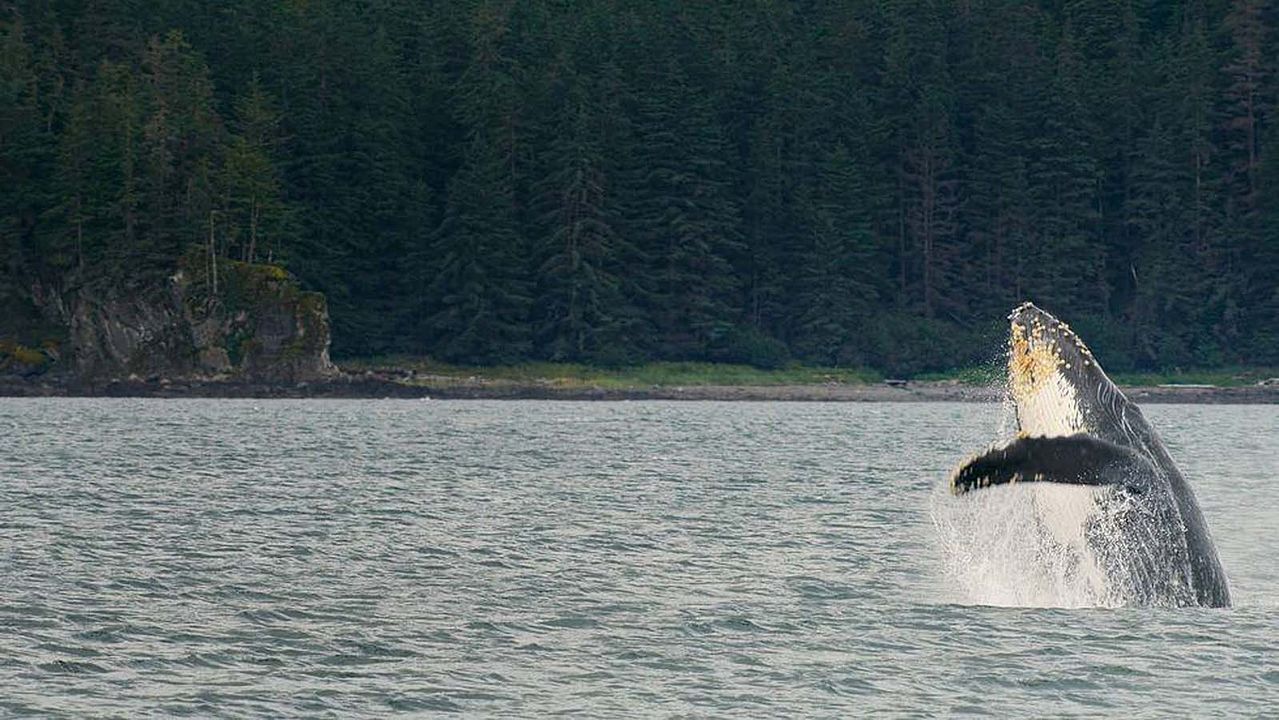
point(1075, 427)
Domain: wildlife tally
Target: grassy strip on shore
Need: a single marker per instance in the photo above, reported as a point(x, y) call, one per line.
point(1218, 377)
point(424, 371)
point(417, 370)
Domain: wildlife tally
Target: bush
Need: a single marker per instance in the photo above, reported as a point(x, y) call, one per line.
point(748, 346)
point(907, 345)
point(614, 356)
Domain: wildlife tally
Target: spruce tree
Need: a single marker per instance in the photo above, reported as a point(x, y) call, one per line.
point(255, 216)
point(1067, 259)
point(683, 217)
point(26, 152)
point(480, 292)
point(181, 143)
point(836, 294)
point(577, 289)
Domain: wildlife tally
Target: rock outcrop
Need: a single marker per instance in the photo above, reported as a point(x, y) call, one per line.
point(117, 335)
point(258, 326)
point(254, 324)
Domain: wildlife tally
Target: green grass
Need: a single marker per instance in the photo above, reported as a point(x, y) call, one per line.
point(983, 375)
point(671, 374)
point(1221, 377)
point(571, 375)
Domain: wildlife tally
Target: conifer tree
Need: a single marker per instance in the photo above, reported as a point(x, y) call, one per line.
point(1165, 273)
point(25, 162)
point(683, 217)
point(480, 289)
point(255, 217)
point(98, 221)
point(836, 295)
point(479, 297)
point(179, 153)
point(577, 289)
point(1064, 268)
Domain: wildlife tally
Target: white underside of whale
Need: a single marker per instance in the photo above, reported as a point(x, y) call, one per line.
point(1063, 511)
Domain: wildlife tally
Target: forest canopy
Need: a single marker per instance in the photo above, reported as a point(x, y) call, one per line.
point(866, 183)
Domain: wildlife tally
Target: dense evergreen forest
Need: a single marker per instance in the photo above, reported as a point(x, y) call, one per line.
point(855, 182)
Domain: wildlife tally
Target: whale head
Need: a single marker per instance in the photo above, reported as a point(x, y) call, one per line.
point(1053, 379)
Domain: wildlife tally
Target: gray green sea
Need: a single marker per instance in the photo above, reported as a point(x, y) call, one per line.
point(309, 558)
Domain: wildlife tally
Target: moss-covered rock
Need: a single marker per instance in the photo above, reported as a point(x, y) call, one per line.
point(30, 342)
point(24, 361)
point(254, 323)
point(269, 329)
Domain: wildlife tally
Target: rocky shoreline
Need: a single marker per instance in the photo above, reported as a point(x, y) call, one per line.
point(375, 387)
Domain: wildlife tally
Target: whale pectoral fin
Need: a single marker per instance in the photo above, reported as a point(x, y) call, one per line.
point(1075, 460)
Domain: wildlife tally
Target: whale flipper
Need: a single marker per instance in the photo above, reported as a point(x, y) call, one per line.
point(1079, 459)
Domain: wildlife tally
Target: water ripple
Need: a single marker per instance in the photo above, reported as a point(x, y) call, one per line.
point(365, 558)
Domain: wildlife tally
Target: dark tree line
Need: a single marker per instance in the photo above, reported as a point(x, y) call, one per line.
point(856, 182)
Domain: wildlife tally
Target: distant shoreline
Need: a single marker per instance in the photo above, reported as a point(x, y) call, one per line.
point(355, 387)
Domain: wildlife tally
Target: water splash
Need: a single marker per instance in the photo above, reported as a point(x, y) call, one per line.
point(1022, 546)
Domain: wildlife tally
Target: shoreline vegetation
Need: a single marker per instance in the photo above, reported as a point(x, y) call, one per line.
point(406, 377)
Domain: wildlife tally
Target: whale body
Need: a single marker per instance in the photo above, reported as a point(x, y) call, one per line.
point(1147, 533)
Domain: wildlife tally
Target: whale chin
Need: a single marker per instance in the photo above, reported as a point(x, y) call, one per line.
point(1051, 374)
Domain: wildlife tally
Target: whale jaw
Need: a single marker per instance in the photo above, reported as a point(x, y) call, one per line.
point(1051, 374)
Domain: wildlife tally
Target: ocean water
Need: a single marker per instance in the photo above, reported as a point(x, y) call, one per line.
point(241, 558)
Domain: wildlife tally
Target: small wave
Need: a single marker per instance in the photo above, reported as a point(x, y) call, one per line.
point(71, 667)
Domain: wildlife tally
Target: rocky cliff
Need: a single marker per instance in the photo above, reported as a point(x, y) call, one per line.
point(253, 323)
